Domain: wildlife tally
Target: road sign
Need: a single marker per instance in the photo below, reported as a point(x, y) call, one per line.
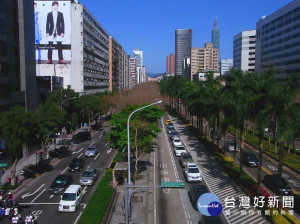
point(172, 184)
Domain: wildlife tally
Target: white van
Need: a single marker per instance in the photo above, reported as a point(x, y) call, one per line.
point(71, 199)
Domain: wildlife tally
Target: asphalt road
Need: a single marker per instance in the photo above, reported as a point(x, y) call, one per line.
point(36, 198)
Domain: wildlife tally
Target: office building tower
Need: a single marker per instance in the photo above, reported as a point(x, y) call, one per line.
point(204, 59)
point(183, 45)
point(171, 64)
point(244, 50)
point(79, 58)
point(215, 35)
point(226, 65)
point(17, 63)
point(138, 55)
point(278, 41)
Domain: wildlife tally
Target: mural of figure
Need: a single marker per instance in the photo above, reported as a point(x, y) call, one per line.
point(55, 31)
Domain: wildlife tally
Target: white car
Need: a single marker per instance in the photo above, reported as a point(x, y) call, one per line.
point(176, 142)
point(179, 149)
point(71, 199)
point(192, 173)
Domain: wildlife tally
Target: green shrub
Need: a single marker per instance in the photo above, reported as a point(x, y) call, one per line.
point(8, 186)
point(99, 202)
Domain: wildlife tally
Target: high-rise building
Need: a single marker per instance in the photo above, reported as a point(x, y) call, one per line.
point(17, 63)
point(80, 57)
point(278, 41)
point(215, 35)
point(118, 66)
point(204, 59)
point(226, 65)
point(138, 55)
point(183, 45)
point(171, 64)
point(244, 50)
point(186, 72)
point(133, 72)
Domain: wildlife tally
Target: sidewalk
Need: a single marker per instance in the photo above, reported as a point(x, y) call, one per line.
point(31, 159)
point(139, 200)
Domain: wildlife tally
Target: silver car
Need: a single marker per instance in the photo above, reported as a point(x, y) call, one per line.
point(88, 177)
point(91, 151)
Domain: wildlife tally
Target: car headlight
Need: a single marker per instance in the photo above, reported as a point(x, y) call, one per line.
point(76, 168)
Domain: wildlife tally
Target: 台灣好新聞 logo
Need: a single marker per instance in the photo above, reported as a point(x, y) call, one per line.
point(209, 205)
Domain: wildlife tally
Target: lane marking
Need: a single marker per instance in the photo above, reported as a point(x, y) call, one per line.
point(92, 143)
point(267, 171)
point(78, 218)
point(64, 170)
point(51, 196)
point(108, 151)
point(77, 151)
point(80, 155)
point(97, 156)
point(30, 194)
point(38, 195)
point(106, 144)
point(100, 136)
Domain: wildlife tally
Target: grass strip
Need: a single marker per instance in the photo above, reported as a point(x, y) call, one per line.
point(99, 202)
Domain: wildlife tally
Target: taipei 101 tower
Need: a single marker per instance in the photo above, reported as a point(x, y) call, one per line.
point(215, 35)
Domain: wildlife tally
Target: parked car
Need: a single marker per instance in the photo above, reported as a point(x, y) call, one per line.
point(192, 173)
point(211, 220)
point(76, 165)
point(177, 141)
point(230, 146)
point(60, 152)
point(71, 199)
point(281, 188)
point(167, 122)
point(27, 173)
point(60, 184)
point(91, 151)
point(88, 177)
point(44, 166)
point(249, 159)
point(195, 192)
point(185, 158)
point(81, 136)
point(179, 149)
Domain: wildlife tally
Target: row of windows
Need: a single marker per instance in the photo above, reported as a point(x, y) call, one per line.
point(96, 87)
point(95, 39)
point(281, 32)
point(294, 36)
point(287, 46)
point(281, 56)
point(95, 55)
point(284, 63)
point(87, 25)
point(86, 78)
point(95, 23)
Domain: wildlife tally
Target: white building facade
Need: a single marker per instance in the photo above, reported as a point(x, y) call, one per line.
point(244, 50)
point(226, 65)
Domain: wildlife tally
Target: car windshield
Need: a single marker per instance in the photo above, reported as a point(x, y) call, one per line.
point(180, 148)
point(186, 156)
point(60, 181)
point(88, 174)
point(176, 140)
point(69, 197)
point(193, 170)
point(91, 149)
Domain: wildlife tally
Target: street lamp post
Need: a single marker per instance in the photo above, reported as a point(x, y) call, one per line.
point(128, 190)
point(66, 100)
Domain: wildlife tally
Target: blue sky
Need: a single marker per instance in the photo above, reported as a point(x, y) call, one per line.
point(150, 24)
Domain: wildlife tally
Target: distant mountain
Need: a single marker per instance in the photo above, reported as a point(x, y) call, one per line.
point(154, 75)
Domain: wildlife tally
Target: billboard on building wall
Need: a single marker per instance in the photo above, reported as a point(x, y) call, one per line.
point(52, 32)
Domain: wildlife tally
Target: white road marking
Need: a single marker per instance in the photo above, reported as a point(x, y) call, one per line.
point(29, 203)
point(77, 151)
point(80, 155)
point(51, 196)
point(64, 170)
point(294, 182)
point(30, 194)
point(84, 190)
point(38, 195)
point(106, 144)
point(97, 156)
point(108, 151)
point(272, 167)
point(100, 136)
point(77, 218)
point(92, 143)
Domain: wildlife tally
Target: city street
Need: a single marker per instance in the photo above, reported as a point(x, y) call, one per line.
point(36, 198)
